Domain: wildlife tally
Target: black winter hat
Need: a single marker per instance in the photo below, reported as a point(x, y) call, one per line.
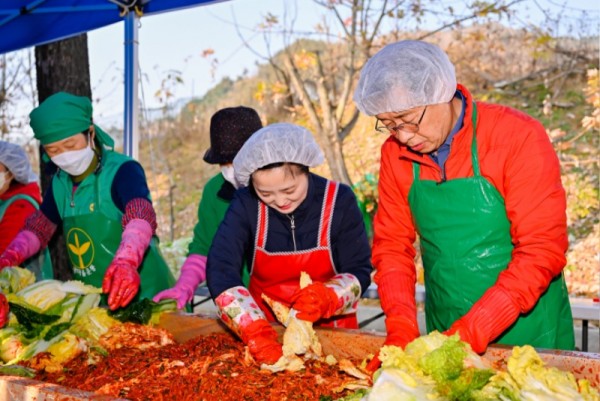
point(229, 130)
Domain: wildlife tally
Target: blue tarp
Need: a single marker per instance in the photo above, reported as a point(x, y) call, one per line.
point(26, 23)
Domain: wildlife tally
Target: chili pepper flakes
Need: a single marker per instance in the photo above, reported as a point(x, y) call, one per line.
point(207, 368)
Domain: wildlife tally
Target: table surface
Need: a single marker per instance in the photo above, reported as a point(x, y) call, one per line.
point(582, 308)
point(585, 308)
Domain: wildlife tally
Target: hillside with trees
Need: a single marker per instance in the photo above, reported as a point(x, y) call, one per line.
point(554, 79)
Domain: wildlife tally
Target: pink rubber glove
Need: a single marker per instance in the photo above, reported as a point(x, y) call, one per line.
point(22, 247)
point(193, 272)
point(4, 309)
point(122, 280)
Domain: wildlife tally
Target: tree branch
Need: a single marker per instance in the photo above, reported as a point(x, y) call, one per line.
point(469, 17)
point(301, 90)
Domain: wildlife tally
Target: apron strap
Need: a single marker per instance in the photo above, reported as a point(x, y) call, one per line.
point(4, 205)
point(327, 211)
point(261, 232)
point(474, 158)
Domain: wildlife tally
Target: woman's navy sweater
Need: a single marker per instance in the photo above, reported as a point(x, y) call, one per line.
point(234, 241)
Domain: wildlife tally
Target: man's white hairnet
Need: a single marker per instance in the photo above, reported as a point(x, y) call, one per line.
point(404, 75)
point(276, 143)
point(15, 160)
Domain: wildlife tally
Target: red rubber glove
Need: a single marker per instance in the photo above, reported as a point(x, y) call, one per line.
point(121, 282)
point(373, 364)
point(4, 309)
point(488, 318)
point(400, 332)
point(261, 339)
point(315, 301)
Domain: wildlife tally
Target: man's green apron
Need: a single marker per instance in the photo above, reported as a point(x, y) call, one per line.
point(93, 230)
point(466, 243)
point(40, 264)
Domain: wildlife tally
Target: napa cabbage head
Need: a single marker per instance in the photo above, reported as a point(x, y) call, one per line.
point(46, 294)
point(93, 324)
point(11, 344)
point(398, 385)
point(444, 362)
point(62, 351)
point(527, 378)
point(14, 279)
point(395, 357)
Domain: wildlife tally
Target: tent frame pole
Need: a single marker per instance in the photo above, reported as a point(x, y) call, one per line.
point(131, 114)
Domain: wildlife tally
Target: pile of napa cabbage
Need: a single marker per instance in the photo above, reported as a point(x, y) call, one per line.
point(438, 367)
point(59, 318)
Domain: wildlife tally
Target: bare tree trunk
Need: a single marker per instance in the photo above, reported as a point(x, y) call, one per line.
point(61, 66)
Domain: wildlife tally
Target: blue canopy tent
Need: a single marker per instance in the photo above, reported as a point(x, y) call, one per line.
point(26, 23)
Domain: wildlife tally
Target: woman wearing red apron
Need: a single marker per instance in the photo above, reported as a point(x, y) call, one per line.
point(286, 221)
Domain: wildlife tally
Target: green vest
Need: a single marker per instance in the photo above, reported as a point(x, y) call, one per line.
point(40, 263)
point(466, 243)
point(211, 212)
point(93, 230)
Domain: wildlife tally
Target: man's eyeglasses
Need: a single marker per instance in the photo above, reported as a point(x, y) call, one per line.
point(411, 128)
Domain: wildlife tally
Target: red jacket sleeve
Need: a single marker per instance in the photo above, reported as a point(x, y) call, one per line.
point(536, 207)
point(13, 220)
point(393, 250)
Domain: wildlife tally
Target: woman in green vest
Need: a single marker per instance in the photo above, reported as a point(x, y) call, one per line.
point(102, 201)
point(229, 129)
point(480, 185)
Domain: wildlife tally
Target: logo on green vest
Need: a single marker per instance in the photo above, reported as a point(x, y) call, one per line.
point(81, 248)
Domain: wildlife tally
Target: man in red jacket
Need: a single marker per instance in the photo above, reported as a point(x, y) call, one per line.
point(480, 184)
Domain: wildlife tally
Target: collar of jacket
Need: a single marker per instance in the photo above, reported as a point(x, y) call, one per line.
point(406, 153)
point(226, 191)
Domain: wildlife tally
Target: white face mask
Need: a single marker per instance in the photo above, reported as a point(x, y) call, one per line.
point(74, 162)
point(229, 175)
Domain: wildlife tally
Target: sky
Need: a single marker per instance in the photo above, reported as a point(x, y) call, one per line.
point(175, 41)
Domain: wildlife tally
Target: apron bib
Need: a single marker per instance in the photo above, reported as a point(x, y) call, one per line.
point(466, 243)
point(40, 264)
point(93, 230)
point(277, 274)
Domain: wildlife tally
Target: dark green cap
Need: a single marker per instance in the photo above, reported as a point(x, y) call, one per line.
point(63, 115)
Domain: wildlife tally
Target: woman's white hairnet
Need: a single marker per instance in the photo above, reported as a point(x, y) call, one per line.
point(276, 143)
point(404, 75)
point(15, 160)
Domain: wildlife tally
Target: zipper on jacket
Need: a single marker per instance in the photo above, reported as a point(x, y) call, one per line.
point(293, 224)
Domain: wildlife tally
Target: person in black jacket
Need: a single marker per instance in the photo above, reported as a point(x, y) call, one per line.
point(287, 221)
